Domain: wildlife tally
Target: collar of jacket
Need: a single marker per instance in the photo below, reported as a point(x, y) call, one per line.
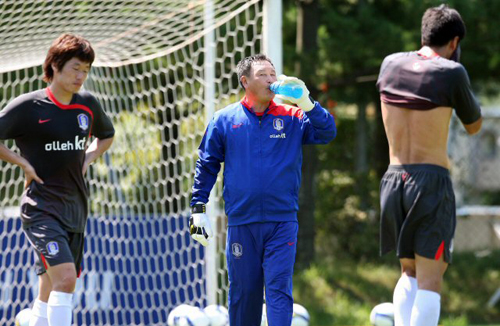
point(245, 103)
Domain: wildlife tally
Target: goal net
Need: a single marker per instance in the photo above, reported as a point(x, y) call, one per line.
point(475, 160)
point(160, 64)
point(476, 181)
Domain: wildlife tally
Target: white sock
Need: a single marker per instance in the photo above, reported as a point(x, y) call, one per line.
point(39, 314)
point(59, 310)
point(404, 296)
point(426, 308)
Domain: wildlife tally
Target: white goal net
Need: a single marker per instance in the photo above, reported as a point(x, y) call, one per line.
point(159, 65)
point(476, 181)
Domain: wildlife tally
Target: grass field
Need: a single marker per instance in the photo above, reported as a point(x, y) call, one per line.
point(343, 292)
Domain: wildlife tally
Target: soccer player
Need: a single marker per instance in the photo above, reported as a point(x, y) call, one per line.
point(260, 143)
point(419, 91)
point(52, 128)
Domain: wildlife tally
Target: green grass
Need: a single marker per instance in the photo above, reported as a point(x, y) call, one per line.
point(343, 292)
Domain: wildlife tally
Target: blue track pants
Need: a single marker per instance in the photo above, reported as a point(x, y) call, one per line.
point(258, 255)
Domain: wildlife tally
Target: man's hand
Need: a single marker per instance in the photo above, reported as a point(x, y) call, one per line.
point(85, 166)
point(30, 175)
point(304, 102)
point(95, 149)
point(12, 157)
point(199, 224)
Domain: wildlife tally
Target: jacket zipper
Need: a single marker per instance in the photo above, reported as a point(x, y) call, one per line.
point(261, 159)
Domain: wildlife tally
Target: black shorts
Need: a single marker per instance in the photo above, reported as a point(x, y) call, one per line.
point(418, 213)
point(55, 246)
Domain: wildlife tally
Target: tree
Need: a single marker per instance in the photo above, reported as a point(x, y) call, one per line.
point(305, 68)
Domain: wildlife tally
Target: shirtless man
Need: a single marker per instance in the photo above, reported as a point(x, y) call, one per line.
point(419, 91)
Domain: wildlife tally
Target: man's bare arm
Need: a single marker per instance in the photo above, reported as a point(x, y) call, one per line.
point(96, 149)
point(14, 158)
point(474, 127)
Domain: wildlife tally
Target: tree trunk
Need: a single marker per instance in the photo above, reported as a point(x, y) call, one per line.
point(307, 49)
point(362, 156)
point(381, 151)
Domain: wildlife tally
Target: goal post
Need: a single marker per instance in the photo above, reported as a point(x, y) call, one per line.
point(213, 210)
point(272, 33)
point(163, 67)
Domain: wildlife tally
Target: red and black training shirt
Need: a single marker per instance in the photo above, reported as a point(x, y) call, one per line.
point(414, 81)
point(53, 137)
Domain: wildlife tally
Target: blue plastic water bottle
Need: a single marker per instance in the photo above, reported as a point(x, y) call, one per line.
point(291, 90)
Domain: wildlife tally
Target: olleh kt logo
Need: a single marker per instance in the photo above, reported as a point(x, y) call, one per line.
point(79, 144)
point(282, 135)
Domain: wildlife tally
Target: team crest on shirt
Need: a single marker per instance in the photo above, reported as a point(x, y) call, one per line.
point(83, 121)
point(278, 124)
point(52, 248)
point(237, 250)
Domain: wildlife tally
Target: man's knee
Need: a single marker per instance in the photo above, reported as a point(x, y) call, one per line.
point(63, 278)
point(248, 290)
point(282, 284)
point(279, 292)
point(431, 283)
point(66, 283)
point(430, 273)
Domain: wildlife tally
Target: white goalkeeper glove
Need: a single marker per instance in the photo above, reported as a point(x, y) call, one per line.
point(305, 103)
point(199, 225)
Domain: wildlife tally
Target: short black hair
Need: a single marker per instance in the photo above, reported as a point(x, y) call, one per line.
point(441, 25)
point(64, 48)
point(245, 65)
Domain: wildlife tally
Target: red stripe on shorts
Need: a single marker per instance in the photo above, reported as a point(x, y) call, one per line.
point(44, 262)
point(440, 250)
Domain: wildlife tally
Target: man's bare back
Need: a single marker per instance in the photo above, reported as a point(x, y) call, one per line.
point(417, 136)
